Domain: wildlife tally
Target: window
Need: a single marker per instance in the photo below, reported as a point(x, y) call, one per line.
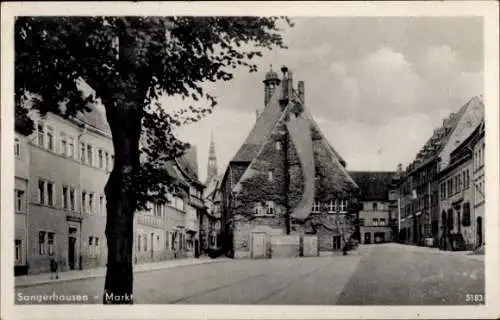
point(17, 148)
point(332, 206)
point(19, 201)
point(41, 242)
point(467, 181)
point(374, 205)
point(84, 201)
point(466, 219)
point(91, 202)
point(91, 241)
point(101, 160)
point(51, 237)
point(258, 209)
point(71, 147)
point(382, 222)
point(449, 189)
point(18, 244)
point(64, 143)
point(41, 136)
point(459, 184)
point(41, 191)
point(343, 205)
point(96, 244)
point(270, 207)
point(145, 243)
point(112, 162)
point(316, 206)
point(50, 193)
point(361, 222)
point(278, 145)
point(106, 160)
point(270, 175)
point(82, 152)
point(139, 243)
point(375, 221)
point(65, 197)
point(50, 138)
point(72, 198)
point(443, 191)
point(172, 242)
point(90, 158)
point(101, 205)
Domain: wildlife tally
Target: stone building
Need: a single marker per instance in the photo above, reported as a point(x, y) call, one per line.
point(69, 164)
point(286, 179)
point(419, 186)
point(479, 183)
point(211, 224)
point(456, 200)
point(61, 170)
point(21, 179)
point(172, 230)
point(375, 213)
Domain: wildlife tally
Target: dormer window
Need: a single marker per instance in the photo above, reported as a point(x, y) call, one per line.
point(332, 206)
point(258, 209)
point(316, 206)
point(270, 207)
point(343, 205)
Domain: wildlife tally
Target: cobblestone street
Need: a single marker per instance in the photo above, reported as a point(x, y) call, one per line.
point(389, 274)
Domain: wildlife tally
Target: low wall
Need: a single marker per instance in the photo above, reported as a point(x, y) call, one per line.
point(285, 246)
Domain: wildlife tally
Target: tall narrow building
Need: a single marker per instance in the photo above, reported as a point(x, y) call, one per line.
point(212, 160)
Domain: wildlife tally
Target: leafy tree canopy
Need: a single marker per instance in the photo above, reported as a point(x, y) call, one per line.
point(130, 62)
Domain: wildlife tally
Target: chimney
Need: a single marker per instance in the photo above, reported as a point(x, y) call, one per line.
point(301, 90)
point(285, 88)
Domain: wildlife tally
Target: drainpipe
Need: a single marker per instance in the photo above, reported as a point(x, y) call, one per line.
point(80, 255)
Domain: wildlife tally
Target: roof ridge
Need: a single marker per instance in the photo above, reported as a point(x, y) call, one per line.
point(248, 168)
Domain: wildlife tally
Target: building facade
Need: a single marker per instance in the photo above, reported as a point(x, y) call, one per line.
point(70, 161)
point(61, 169)
point(419, 186)
point(21, 180)
point(479, 154)
point(456, 200)
point(376, 212)
point(286, 179)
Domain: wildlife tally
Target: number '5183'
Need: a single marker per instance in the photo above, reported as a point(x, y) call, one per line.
point(474, 298)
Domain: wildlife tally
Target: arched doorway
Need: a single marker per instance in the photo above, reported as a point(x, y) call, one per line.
point(479, 231)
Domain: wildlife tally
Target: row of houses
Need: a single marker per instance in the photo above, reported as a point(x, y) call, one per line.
point(287, 192)
point(61, 169)
point(440, 195)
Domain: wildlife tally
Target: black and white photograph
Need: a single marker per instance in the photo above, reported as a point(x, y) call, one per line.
point(290, 156)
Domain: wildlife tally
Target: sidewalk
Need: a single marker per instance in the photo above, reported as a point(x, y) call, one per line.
point(44, 278)
point(465, 254)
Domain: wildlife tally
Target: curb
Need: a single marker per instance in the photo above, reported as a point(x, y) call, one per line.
point(43, 282)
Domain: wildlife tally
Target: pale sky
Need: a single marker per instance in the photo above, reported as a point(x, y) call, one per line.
point(377, 86)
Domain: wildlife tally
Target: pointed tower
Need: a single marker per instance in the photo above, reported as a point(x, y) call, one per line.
point(212, 160)
point(271, 83)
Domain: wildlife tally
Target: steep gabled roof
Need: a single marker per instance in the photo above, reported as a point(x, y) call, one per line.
point(373, 185)
point(268, 124)
point(452, 122)
point(261, 131)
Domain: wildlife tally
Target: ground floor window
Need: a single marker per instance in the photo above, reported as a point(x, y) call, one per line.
point(336, 243)
point(18, 244)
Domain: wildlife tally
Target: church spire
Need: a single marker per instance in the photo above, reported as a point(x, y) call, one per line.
point(212, 159)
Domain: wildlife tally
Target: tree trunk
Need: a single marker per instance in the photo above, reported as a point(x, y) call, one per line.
point(121, 204)
point(124, 112)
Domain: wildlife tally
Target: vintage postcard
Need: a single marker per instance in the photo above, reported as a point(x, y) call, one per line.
point(237, 160)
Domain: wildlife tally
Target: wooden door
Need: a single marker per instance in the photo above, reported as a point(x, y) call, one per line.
point(259, 245)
